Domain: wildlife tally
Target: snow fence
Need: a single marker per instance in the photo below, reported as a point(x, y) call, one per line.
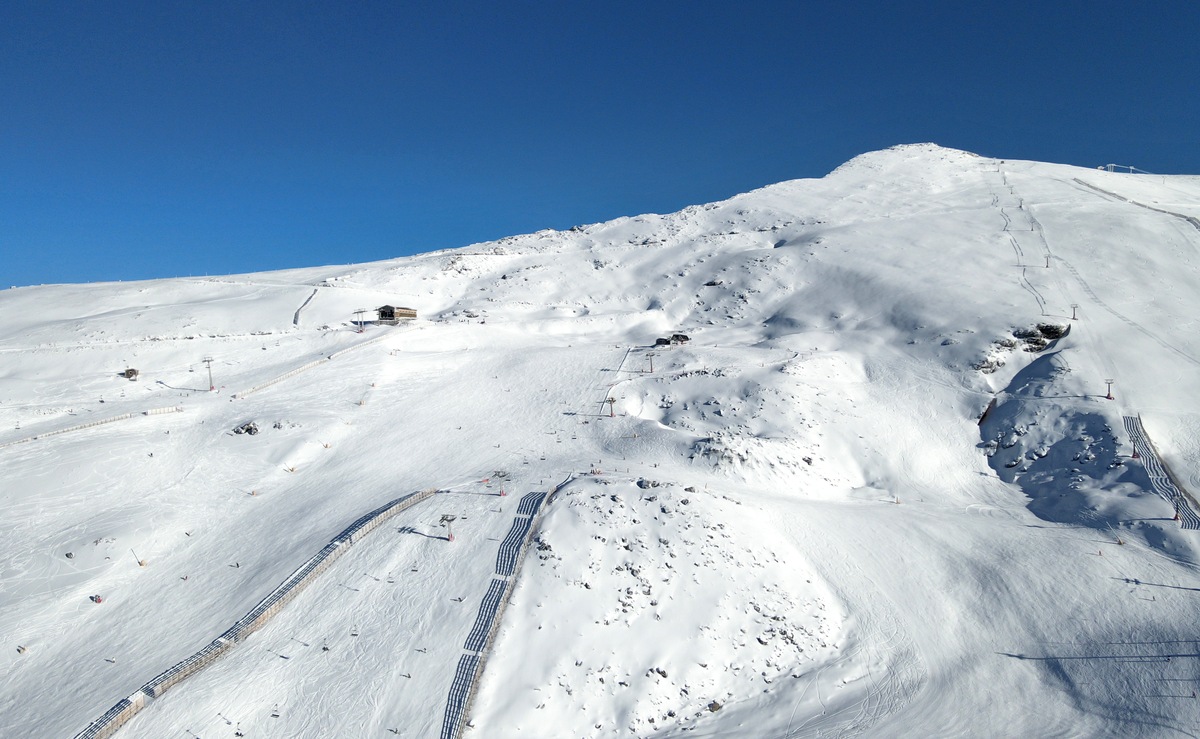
point(281, 378)
point(478, 646)
point(306, 367)
point(127, 708)
point(296, 317)
point(1162, 479)
point(101, 422)
point(356, 347)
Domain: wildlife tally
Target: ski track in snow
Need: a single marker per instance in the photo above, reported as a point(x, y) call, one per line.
point(1191, 220)
point(1123, 318)
point(882, 644)
point(253, 620)
point(745, 543)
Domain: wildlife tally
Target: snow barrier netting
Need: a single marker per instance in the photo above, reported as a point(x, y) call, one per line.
point(127, 708)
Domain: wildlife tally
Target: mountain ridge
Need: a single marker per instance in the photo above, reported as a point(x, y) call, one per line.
point(796, 515)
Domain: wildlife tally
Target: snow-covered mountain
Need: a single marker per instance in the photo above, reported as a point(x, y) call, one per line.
point(792, 524)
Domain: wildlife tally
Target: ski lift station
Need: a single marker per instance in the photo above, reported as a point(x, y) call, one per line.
point(391, 315)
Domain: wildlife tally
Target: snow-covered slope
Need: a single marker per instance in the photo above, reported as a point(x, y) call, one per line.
point(793, 524)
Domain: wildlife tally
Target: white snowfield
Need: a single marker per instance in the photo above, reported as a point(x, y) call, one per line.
point(791, 525)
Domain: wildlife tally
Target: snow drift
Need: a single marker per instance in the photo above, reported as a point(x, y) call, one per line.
point(795, 523)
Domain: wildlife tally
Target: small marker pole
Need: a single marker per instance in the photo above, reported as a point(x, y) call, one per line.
point(141, 562)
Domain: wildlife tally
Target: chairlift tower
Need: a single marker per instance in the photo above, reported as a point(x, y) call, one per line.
point(359, 313)
point(208, 363)
point(446, 520)
point(1109, 395)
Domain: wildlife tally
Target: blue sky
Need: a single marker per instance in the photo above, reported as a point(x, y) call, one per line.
point(155, 139)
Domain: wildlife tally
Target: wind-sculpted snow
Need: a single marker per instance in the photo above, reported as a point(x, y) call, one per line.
point(643, 561)
point(858, 553)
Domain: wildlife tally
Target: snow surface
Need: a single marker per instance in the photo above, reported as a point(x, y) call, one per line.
point(794, 519)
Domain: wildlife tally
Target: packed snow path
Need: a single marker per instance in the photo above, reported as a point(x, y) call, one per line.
point(1159, 478)
point(177, 408)
point(303, 368)
point(791, 492)
point(402, 632)
point(1191, 220)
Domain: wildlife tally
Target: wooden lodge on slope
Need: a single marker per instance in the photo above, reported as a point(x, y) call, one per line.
point(391, 315)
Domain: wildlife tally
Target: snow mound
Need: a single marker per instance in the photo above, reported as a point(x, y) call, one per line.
point(877, 486)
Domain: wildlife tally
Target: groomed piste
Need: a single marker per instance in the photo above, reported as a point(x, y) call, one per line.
point(907, 450)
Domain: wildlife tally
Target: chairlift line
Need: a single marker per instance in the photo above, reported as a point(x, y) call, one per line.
point(1125, 167)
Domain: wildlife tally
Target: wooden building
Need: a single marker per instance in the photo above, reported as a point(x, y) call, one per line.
point(392, 315)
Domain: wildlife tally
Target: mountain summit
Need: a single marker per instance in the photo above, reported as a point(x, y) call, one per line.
point(906, 450)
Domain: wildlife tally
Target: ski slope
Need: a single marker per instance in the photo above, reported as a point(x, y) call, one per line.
point(792, 525)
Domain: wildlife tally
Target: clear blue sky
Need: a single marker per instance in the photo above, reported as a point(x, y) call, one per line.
point(148, 139)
